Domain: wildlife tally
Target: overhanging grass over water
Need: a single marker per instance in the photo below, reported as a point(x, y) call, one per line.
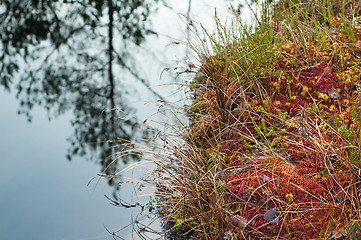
point(273, 147)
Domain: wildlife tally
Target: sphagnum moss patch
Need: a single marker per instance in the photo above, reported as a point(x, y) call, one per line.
point(274, 137)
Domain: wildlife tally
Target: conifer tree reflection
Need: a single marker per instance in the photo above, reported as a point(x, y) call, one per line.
point(64, 54)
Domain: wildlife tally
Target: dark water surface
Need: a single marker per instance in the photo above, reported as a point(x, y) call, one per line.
point(43, 194)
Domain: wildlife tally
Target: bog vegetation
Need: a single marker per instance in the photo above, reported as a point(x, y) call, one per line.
point(273, 149)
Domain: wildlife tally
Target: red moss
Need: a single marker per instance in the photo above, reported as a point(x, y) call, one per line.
point(301, 184)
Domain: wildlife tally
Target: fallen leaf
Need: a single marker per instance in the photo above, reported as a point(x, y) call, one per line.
point(338, 233)
point(239, 221)
point(339, 197)
point(328, 69)
point(265, 178)
point(271, 216)
point(229, 235)
point(333, 30)
point(333, 93)
point(332, 121)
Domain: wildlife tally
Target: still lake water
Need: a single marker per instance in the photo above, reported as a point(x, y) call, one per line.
point(45, 196)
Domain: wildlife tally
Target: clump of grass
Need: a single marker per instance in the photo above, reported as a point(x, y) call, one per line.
point(194, 199)
point(273, 146)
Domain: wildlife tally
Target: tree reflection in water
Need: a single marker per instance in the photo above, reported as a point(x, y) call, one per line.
point(64, 54)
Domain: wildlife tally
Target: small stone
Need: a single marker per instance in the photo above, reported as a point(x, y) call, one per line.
point(271, 216)
point(333, 93)
point(239, 221)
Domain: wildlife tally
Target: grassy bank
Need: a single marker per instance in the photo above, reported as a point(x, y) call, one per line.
point(273, 146)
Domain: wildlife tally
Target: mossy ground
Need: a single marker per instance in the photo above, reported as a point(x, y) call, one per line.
point(275, 125)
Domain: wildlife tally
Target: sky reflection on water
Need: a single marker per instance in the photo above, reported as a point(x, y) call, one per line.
point(45, 196)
